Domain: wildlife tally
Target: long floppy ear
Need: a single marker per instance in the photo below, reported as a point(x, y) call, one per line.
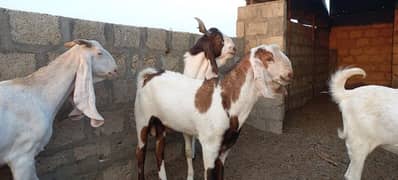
point(261, 78)
point(84, 97)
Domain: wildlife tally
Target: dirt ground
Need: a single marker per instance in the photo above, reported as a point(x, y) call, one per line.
point(308, 149)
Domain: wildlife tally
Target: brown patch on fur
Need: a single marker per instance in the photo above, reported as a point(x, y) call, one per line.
point(216, 173)
point(233, 82)
point(231, 134)
point(148, 77)
point(160, 130)
point(204, 95)
point(219, 169)
point(264, 55)
point(141, 152)
point(160, 139)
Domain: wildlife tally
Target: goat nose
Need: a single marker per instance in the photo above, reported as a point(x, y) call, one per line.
point(234, 49)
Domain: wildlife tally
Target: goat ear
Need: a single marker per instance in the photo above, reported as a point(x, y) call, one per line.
point(83, 42)
point(84, 96)
point(261, 78)
point(79, 42)
point(69, 44)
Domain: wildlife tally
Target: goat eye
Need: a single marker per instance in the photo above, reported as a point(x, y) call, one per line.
point(99, 53)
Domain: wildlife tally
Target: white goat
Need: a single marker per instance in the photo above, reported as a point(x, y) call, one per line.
point(29, 104)
point(214, 112)
point(199, 67)
point(369, 118)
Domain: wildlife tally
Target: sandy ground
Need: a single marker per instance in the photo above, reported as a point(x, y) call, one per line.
point(308, 149)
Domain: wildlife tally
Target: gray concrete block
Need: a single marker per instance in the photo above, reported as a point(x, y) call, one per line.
point(16, 65)
point(123, 91)
point(102, 94)
point(173, 62)
point(156, 39)
point(47, 164)
point(180, 41)
point(114, 121)
point(127, 36)
point(134, 64)
point(268, 115)
point(67, 132)
point(32, 28)
point(120, 59)
point(89, 30)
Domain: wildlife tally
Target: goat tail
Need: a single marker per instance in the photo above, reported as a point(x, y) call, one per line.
point(338, 80)
point(145, 75)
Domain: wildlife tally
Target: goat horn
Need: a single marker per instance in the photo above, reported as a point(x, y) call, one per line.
point(202, 27)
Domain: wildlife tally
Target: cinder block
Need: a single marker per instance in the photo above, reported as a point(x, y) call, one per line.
point(67, 132)
point(180, 41)
point(31, 28)
point(127, 36)
point(268, 115)
point(156, 39)
point(114, 121)
point(123, 91)
point(134, 64)
point(173, 62)
point(16, 65)
point(257, 28)
point(240, 29)
point(89, 30)
point(120, 59)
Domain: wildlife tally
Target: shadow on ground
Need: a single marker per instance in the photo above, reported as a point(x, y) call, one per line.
point(308, 149)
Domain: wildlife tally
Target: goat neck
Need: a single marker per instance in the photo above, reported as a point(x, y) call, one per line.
point(238, 90)
point(54, 82)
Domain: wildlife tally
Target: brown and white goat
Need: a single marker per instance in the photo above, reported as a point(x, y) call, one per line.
point(210, 110)
point(199, 67)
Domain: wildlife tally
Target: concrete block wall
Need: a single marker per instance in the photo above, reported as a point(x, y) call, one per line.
point(369, 47)
point(264, 23)
point(29, 41)
point(300, 50)
point(308, 50)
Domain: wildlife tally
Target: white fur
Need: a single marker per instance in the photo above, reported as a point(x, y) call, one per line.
point(198, 67)
point(369, 118)
point(170, 97)
point(29, 104)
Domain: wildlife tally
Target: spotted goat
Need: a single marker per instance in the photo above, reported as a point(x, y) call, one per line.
point(213, 112)
point(199, 67)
